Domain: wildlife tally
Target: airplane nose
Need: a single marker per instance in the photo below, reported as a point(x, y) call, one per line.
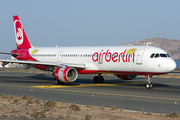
point(171, 65)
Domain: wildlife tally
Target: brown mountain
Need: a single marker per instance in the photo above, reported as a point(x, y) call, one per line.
point(169, 45)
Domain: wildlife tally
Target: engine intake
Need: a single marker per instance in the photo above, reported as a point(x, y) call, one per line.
point(127, 77)
point(66, 74)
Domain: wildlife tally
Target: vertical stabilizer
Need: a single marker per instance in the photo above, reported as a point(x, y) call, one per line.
point(22, 41)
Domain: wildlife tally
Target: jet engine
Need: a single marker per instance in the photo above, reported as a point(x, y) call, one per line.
point(66, 74)
point(127, 77)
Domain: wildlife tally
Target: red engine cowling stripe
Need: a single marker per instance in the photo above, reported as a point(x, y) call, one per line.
point(56, 73)
point(64, 73)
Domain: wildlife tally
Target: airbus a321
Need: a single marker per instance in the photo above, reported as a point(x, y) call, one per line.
point(126, 62)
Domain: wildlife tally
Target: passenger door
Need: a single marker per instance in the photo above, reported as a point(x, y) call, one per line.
point(139, 56)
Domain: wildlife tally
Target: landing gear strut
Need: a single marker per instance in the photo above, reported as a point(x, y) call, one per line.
point(148, 85)
point(57, 82)
point(98, 79)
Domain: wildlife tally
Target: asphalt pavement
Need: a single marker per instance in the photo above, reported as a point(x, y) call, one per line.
point(130, 95)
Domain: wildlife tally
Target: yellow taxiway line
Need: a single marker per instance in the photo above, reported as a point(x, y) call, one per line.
point(83, 85)
point(91, 92)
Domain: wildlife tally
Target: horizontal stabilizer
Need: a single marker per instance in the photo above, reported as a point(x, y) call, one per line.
point(9, 53)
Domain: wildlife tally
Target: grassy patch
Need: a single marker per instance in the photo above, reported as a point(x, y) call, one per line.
point(3, 96)
point(88, 117)
point(113, 108)
point(102, 108)
point(15, 101)
point(25, 97)
point(74, 107)
point(30, 101)
point(50, 104)
point(174, 114)
point(38, 115)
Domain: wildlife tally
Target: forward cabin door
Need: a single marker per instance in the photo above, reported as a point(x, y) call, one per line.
point(139, 56)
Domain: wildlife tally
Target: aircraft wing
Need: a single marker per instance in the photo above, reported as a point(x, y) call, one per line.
point(47, 64)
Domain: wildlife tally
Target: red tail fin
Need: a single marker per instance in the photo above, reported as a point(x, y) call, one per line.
point(22, 41)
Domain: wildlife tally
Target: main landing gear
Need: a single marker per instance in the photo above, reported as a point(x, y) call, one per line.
point(98, 79)
point(57, 82)
point(148, 85)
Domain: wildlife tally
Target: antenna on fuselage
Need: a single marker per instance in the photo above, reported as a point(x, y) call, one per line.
point(56, 45)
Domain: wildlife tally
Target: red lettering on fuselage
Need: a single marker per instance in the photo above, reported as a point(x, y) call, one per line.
point(114, 57)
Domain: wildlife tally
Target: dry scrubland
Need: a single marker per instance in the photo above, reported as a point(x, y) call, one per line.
point(28, 108)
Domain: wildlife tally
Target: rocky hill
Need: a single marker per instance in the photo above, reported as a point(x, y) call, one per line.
point(169, 45)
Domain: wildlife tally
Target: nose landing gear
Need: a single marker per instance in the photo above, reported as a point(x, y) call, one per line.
point(148, 85)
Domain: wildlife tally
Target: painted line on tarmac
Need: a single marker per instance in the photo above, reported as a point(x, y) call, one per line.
point(113, 94)
point(83, 85)
point(100, 93)
point(12, 75)
point(15, 86)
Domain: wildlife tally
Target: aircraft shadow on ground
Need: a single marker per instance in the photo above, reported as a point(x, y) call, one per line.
point(42, 78)
point(121, 82)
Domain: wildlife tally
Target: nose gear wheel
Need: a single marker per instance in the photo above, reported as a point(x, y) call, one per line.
point(148, 85)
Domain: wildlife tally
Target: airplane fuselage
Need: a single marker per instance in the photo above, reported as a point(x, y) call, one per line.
point(107, 59)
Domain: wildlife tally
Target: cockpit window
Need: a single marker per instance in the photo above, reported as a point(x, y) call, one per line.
point(152, 55)
point(157, 55)
point(163, 55)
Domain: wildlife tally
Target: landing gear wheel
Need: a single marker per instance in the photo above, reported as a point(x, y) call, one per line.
point(148, 85)
point(98, 79)
point(151, 86)
point(101, 79)
point(57, 82)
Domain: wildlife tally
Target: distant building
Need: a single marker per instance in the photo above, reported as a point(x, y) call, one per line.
point(11, 65)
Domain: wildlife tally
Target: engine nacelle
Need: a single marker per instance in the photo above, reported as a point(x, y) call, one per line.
point(127, 77)
point(66, 74)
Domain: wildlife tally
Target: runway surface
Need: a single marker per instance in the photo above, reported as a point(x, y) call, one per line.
point(131, 95)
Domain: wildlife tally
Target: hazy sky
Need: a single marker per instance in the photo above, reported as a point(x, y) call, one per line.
point(89, 22)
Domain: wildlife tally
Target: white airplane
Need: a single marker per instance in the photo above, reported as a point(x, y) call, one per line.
point(126, 62)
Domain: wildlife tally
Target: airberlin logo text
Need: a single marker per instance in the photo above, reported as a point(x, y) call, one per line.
point(125, 56)
point(19, 32)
